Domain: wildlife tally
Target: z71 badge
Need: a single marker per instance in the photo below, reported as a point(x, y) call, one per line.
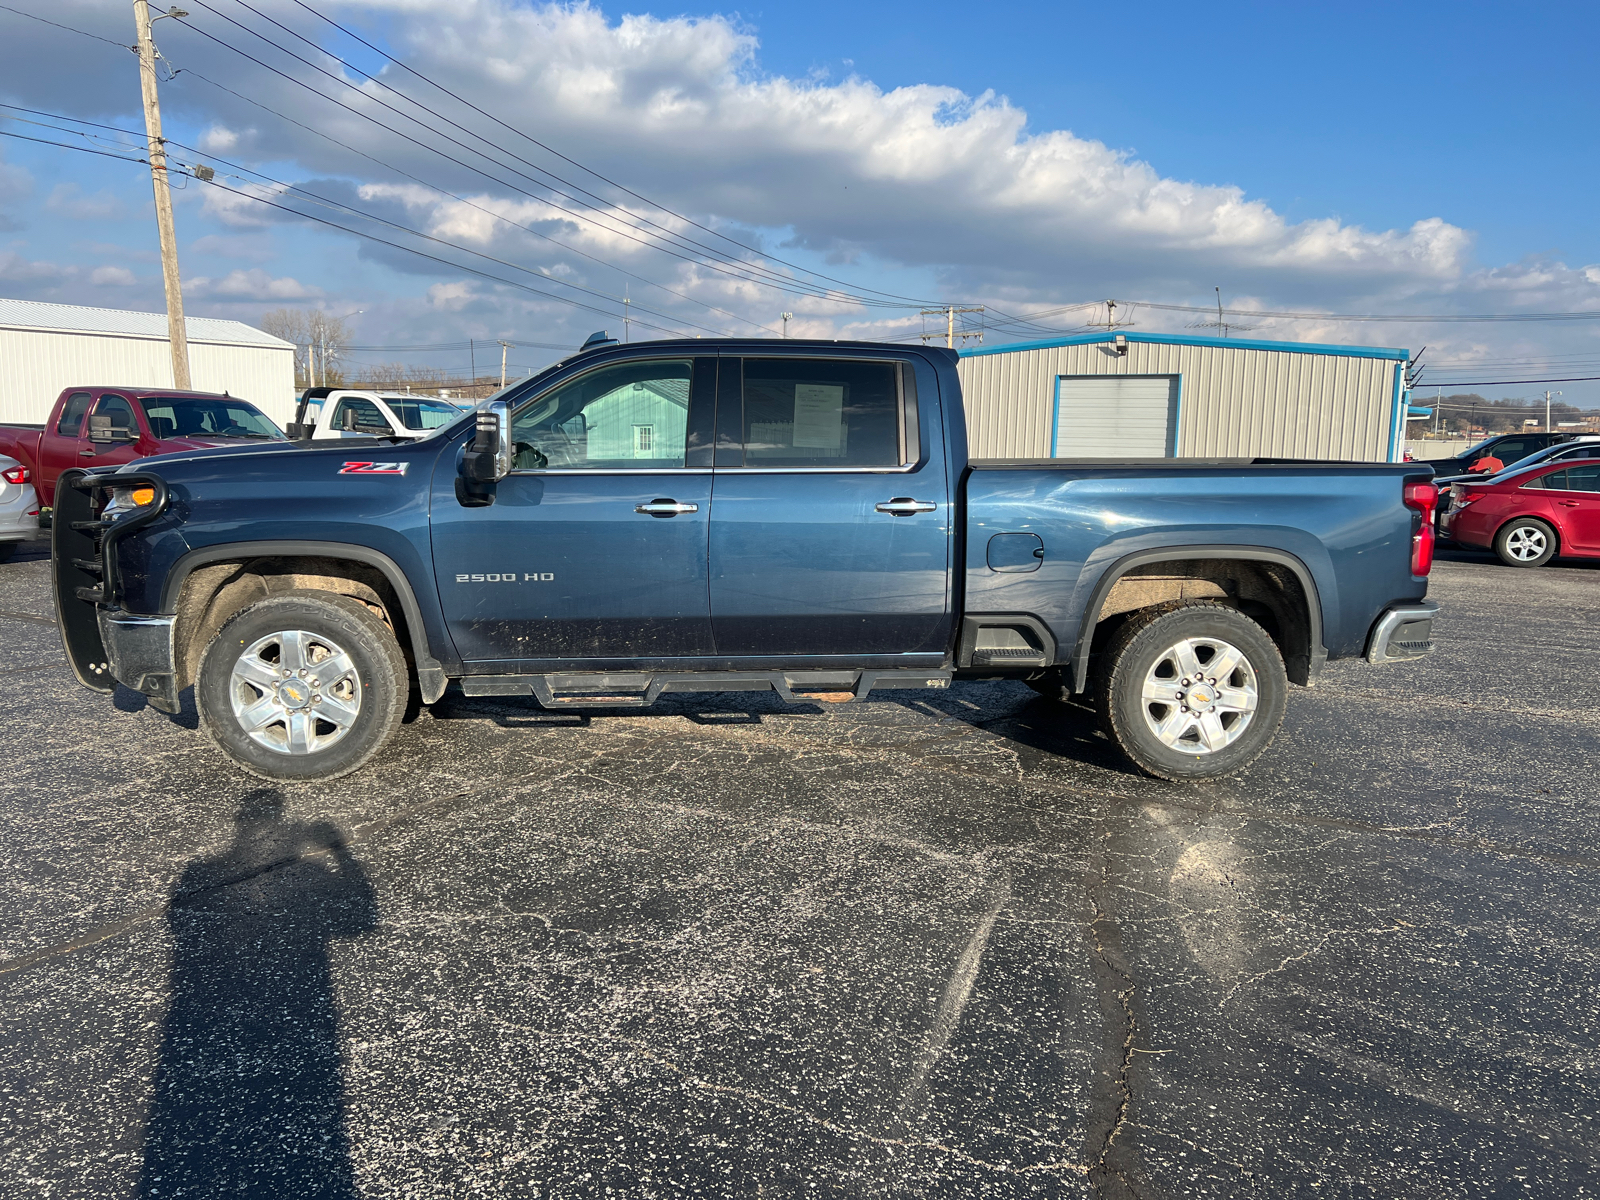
point(373, 468)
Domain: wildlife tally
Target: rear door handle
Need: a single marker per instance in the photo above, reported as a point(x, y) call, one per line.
point(87, 453)
point(665, 508)
point(1569, 503)
point(905, 506)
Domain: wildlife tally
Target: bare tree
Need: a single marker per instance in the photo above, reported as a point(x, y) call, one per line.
point(321, 343)
point(289, 324)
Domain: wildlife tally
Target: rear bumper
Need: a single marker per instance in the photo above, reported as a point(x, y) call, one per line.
point(139, 651)
point(1404, 632)
point(19, 517)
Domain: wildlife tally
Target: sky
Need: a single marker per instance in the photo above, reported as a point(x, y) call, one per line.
point(847, 164)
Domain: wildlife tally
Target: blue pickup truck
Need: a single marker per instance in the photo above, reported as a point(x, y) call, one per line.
point(719, 516)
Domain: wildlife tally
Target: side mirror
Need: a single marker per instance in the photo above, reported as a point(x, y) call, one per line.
point(101, 430)
point(487, 458)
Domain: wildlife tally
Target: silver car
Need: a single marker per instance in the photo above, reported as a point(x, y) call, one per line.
point(19, 506)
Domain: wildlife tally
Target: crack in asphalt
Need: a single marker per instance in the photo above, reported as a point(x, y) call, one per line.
point(34, 617)
point(1114, 1169)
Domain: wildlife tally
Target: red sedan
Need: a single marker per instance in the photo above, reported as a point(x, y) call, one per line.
point(1530, 516)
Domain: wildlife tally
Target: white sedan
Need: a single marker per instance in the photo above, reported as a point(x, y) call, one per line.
point(19, 506)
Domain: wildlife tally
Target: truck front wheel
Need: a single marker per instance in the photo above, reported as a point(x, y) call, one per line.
point(1192, 690)
point(302, 686)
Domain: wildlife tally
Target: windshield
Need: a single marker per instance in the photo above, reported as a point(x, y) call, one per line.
point(206, 417)
point(416, 413)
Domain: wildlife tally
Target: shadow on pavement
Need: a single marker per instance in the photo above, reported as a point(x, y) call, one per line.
point(249, 1088)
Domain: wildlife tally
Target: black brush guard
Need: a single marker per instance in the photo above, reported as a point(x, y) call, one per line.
point(83, 563)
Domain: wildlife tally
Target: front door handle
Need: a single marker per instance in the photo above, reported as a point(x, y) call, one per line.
point(86, 453)
point(667, 507)
point(905, 506)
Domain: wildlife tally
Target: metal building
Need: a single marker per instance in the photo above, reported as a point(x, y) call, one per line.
point(1151, 395)
point(47, 347)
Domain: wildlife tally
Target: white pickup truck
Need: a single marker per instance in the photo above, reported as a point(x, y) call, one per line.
point(325, 412)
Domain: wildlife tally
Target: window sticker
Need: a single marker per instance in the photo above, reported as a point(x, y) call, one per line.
point(818, 416)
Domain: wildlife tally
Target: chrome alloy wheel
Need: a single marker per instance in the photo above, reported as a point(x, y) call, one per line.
point(295, 692)
point(1526, 543)
point(1200, 695)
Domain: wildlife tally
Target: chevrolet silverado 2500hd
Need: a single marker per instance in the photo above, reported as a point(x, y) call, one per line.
point(728, 515)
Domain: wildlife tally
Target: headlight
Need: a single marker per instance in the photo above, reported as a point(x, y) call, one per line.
point(126, 499)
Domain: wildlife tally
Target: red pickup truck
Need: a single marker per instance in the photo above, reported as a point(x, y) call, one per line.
point(102, 426)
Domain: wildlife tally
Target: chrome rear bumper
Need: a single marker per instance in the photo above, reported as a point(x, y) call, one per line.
point(1403, 633)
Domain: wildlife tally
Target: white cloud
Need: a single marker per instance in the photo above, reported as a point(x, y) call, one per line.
point(923, 182)
point(112, 277)
point(255, 284)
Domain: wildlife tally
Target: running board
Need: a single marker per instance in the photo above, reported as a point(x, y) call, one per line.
point(640, 690)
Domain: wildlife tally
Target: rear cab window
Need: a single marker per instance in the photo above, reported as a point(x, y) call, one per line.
point(70, 423)
point(823, 414)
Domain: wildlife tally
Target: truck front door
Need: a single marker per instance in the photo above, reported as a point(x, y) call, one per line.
point(594, 550)
point(119, 410)
point(831, 515)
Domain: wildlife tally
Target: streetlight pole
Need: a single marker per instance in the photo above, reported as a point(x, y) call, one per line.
point(177, 334)
point(1547, 426)
point(786, 317)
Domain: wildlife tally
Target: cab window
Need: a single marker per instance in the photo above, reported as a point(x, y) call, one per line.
point(120, 412)
point(354, 411)
point(812, 412)
point(631, 416)
point(72, 414)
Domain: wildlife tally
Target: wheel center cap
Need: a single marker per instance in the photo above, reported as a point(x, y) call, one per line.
point(294, 693)
point(1200, 698)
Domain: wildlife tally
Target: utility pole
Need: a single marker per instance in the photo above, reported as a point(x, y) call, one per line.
point(504, 346)
point(627, 308)
point(177, 335)
point(472, 359)
point(948, 312)
point(786, 317)
point(1548, 428)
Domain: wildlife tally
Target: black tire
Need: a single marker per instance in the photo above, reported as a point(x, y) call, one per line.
point(1143, 649)
point(1525, 536)
point(365, 702)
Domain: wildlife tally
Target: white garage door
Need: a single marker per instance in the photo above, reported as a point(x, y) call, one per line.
point(1116, 416)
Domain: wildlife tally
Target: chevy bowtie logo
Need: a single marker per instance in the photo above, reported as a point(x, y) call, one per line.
point(374, 468)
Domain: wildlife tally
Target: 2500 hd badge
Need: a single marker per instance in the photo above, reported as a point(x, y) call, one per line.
point(508, 577)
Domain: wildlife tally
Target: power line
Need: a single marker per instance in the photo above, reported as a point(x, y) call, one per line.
point(433, 187)
point(370, 217)
point(354, 232)
point(68, 28)
point(908, 302)
point(753, 273)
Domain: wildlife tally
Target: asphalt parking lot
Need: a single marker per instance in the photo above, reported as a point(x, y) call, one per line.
point(725, 948)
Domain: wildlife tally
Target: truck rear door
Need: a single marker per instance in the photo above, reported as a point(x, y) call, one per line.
point(831, 514)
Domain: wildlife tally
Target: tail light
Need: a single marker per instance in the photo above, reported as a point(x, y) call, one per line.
point(17, 474)
point(1422, 498)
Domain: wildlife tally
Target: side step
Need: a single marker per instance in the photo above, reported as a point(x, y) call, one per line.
point(644, 689)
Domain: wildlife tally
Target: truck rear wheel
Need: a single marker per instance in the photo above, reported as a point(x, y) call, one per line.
point(1192, 690)
point(303, 686)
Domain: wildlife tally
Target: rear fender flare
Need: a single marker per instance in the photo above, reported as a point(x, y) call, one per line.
point(431, 676)
point(1140, 558)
